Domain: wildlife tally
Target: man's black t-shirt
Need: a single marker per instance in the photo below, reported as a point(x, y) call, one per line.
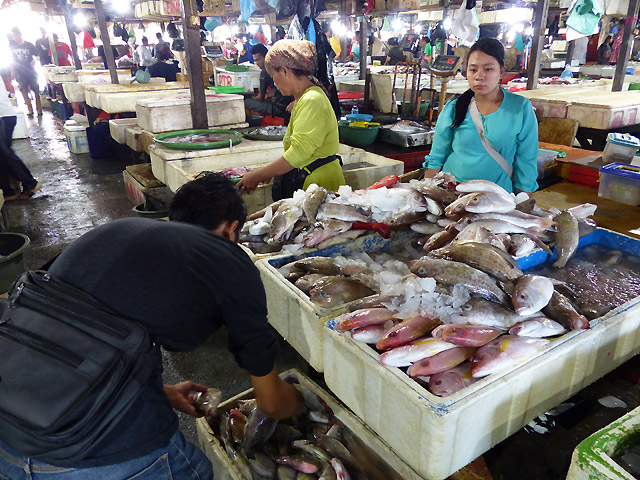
point(182, 282)
point(104, 57)
point(396, 55)
point(23, 55)
point(278, 99)
point(42, 46)
point(165, 70)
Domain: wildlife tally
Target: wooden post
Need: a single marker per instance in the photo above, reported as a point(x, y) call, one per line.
point(363, 51)
point(68, 19)
point(191, 33)
point(106, 42)
point(542, 11)
point(625, 48)
point(445, 42)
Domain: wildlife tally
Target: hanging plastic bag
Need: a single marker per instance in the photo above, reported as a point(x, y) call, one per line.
point(211, 23)
point(311, 33)
point(584, 17)
point(247, 7)
point(466, 25)
point(285, 9)
point(295, 32)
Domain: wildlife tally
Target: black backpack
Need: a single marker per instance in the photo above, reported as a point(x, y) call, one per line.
point(70, 369)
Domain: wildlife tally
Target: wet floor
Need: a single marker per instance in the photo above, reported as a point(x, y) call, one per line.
point(80, 193)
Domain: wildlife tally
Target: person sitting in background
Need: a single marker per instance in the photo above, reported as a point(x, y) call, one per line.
point(269, 100)
point(243, 54)
point(143, 55)
point(354, 51)
point(164, 67)
point(24, 54)
point(395, 55)
point(103, 58)
point(63, 51)
point(11, 167)
point(604, 51)
point(424, 52)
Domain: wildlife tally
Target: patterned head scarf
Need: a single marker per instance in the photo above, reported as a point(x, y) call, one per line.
point(298, 54)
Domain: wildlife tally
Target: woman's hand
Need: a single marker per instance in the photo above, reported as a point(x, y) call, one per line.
point(290, 106)
point(250, 181)
point(181, 399)
point(431, 172)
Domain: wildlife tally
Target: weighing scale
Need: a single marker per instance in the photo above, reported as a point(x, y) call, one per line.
point(446, 67)
point(212, 52)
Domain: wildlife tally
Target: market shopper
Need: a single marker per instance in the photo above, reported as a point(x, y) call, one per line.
point(63, 51)
point(143, 56)
point(102, 57)
point(604, 51)
point(204, 281)
point(269, 100)
point(617, 42)
point(12, 169)
point(311, 142)
point(395, 55)
point(42, 46)
point(508, 156)
point(160, 44)
point(24, 55)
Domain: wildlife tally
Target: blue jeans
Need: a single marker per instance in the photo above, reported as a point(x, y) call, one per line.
point(179, 460)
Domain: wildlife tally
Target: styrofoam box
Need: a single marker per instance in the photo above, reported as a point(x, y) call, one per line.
point(592, 457)
point(76, 135)
point(118, 129)
point(180, 172)
point(126, 101)
point(166, 114)
point(437, 436)
point(20, 131)
point(75, 91)
point(92, 91)
point(248, 80)
point(614, 110)
point(291, 312)
point(224, 468)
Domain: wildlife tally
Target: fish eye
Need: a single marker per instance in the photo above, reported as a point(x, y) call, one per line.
point(523, 296)
point(438, 382)
point(393, 334)
point(422, 271)
point(459, 330)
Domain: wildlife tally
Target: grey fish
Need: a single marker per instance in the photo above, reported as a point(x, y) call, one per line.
point(328, 474)
point(532, 293)
point(312, 202)
point(324, 230)
point(426, 227)
point(477, 233)
point(300, 463)
point(247, 406)
point(332, 291)
point(284, 220)
point(304, 282)
point(286, 473)
point(262, 248)
point(437, 193)
point(370, 281)
point(457, 207)
point(354, 269)
point(236, 457)
point(526, 206)
point(567, 237)
point(479, 311)
point(562, 311)
point(337, 211)
point(374, 301)
point(341, 238)
point(487, 202)
point(259, 429)
point(324, 265)
point(439, 239)
point(263, 465)
point(405, 219)
point(337, 449)
point(452, 273)
point(540, 244)
point(482, 256)
point(586, 226)
point(273, 207)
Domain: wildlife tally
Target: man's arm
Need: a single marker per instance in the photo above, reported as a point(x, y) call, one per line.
point(275, 397)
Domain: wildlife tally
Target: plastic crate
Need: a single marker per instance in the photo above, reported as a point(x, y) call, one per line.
point(621, 183)
point(438, 436)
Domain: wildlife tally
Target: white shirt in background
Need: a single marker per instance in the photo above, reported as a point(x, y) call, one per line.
point(144, 56)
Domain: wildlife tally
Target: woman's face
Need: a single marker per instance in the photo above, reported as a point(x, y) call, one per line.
point(281, 79)
point(483, 73)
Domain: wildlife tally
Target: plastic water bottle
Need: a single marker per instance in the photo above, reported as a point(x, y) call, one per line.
point(354, 110)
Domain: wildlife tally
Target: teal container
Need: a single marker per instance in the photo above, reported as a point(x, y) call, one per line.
point(12, 247)
point(357, 136)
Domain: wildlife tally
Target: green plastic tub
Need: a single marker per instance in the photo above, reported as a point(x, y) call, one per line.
point(168, 140)
point(226, 89)
point(357, 136)
point(139, 209)
point(12, 247)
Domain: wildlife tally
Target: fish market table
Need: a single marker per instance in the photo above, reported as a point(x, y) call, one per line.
point(615, 216)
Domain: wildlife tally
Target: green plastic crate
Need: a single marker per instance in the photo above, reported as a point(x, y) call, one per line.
point(226, 89)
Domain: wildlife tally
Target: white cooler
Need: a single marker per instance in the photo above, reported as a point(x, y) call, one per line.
point(76, 134)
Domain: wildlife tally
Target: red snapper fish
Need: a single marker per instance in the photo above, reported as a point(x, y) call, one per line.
point(505, 353)
point(407, 331)
point(407, 354)
point(364, 317)
point(451, 381)
point(467, 335)
point(440, 362)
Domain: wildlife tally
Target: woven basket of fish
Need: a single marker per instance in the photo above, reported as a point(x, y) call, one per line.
point(326, 441)
point(610, 453)
point(514, 341)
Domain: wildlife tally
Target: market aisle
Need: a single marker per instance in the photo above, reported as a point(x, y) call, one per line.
point(80, 193)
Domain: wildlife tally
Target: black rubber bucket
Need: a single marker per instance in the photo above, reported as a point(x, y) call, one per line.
point(12, 247)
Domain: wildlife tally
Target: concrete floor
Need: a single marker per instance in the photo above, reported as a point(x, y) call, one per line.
point(80, 193)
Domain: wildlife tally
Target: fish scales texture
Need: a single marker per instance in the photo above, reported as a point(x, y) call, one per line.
point(482, 256)
point(488, 202)
point(567, 237)
point(505, 353)
point(407, 331)
point(452, 273)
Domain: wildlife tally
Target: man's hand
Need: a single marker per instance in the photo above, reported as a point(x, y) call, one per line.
point(180, 398)
point(250, 181)
point(275, 397)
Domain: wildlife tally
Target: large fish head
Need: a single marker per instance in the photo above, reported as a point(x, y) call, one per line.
point(446, 383)
point(419, 267)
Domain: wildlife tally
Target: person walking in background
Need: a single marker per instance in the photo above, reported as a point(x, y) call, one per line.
point(42, 46)
point(24, 55)
point(160, 45)
point(617, 43)
point(11, 167)
point(604, 51)
point(63, 51)
point(143, 55)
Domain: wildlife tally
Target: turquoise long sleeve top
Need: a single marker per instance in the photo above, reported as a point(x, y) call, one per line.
point(512, 130)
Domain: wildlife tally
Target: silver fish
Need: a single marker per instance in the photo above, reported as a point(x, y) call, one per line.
point(259, 429)
point(479, 311)
point(325, 230)
point(477, 233)
point(487, 202)
point(567, 238)
point(482, 256)
point(505, 353)
point(313, 200)
point(304, 282)
point(284, 220)
point(324, 265)
point(537, 327)
point(532, 293)
point(425, 228)
point(337, 211)
point(457, 207)
point(339, 238)
point(517, 218)
point(482, 186)
point(500, 226)
point(452, 273)
point(581, 212)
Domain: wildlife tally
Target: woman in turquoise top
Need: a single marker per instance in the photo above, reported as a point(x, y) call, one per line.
point(509, 123)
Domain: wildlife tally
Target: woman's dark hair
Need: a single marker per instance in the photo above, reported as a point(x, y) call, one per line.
point(208, 201)
point(491, 47)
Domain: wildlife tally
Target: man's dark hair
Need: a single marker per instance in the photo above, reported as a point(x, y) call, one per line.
point(158, 35)
point(259, 49)
point(208, 201)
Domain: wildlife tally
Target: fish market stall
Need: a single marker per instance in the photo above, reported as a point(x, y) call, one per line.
point(360, 168)
point(237, 453)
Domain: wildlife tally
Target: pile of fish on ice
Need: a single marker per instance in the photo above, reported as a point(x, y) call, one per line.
point(314, 445)
point(418, 316)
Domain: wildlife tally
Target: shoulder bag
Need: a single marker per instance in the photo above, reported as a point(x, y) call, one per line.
point(475, 116)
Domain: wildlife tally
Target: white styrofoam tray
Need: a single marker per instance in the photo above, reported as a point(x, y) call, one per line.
point(438, 436)
point(225, 469)
point(118, 128)
point(92, 91)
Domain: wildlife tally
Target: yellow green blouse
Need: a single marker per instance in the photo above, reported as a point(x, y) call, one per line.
point(313, 133)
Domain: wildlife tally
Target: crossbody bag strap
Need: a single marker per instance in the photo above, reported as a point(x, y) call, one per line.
point(475, 116)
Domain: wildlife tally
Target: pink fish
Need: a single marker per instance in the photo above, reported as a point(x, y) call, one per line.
point(466, 335)
point(537, 327)
point(440, 362)
point(371, 333)
point(341, 472)
point(407, 354)
point(365, 316)
point(505, 353)
point(407, 331)
point(451, 381)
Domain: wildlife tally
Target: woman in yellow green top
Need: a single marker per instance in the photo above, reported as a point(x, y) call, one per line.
point(311, 142)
